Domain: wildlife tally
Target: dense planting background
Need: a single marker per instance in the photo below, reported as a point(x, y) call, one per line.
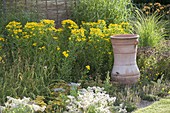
point(39, 59)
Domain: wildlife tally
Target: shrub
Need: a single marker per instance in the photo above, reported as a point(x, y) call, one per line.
point(150, 28)
point(36, 53)
point(92, 100)
point(154, 62)
point(21, 105)
point(108, 10)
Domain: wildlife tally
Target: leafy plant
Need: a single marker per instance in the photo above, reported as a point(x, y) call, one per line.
point(154, 62)
point(21, 105)
point(91, 100)
point(150, 28)
point(111, 11)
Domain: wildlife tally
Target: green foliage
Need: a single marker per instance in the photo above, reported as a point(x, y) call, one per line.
point(35, 55)
point(151, 29)
point(63, 53)
point(154, 62)
point(107, 82)
point(111, 11)
point(154, 91)
point(127, 95)
point(20, 109)
point(18, 12)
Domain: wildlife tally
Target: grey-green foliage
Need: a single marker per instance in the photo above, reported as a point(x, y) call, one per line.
point(20, 109)
point(151, 28)
point(112, 11)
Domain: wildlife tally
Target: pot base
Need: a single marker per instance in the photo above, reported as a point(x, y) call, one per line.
point(126, 79)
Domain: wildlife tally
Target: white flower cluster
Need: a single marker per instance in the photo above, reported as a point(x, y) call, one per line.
point(91, 98)
point(14, 103)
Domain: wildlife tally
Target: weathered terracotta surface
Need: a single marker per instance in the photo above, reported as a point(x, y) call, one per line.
point(125, 69)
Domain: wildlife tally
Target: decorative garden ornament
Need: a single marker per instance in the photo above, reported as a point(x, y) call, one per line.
point(125, 69)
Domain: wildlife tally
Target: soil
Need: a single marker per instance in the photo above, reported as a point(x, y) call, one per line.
point(144, 103)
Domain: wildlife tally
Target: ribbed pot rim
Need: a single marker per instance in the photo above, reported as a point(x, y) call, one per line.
point(125, 36)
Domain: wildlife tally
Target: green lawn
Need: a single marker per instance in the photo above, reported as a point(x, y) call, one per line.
point(162, 106)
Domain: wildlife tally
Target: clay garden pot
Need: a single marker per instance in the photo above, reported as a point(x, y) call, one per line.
point(125, 69)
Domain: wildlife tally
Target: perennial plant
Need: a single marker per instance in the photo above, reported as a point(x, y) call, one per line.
point(92, 100)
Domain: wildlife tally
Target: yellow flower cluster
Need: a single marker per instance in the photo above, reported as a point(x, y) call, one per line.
point(69, 24)
point(41, 48)
point(14, 24)
point(34, 44)
point(155, 8)
point(79, 32)
point(78, 35)
point(48, 22)
point(65, 53)
point(92, 33)
point(96, 32)
point(31, 29)
point(117, 28)
point(59, 30)
point(88, 67)
point(14, 28)
point(33, 25)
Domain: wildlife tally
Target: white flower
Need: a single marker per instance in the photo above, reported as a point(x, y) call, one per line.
point(92, 96)
point(38, 108)
point(14, 103)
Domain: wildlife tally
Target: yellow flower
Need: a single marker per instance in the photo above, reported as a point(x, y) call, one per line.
point(157, 4)
point(95, 31)
point(69, 38)
point(14, 24)
point(55, 38)
point(146, 7)
point(26, 36)
point(77, 32)
point(147, 12)
point(101, 22)
point(150, 4)
point(78, 39)
point(46, 21)
point(2, 39)
point(34, 44)
point(0, 58)
point(109, 53)
point(59, 30)
point(161, 7)
point(163, 89)
point(58, 48)
point(69, 24)
point(169, 92)
point(88, 67)
point(65, 53)
point(43, 47)
point(158, 10)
